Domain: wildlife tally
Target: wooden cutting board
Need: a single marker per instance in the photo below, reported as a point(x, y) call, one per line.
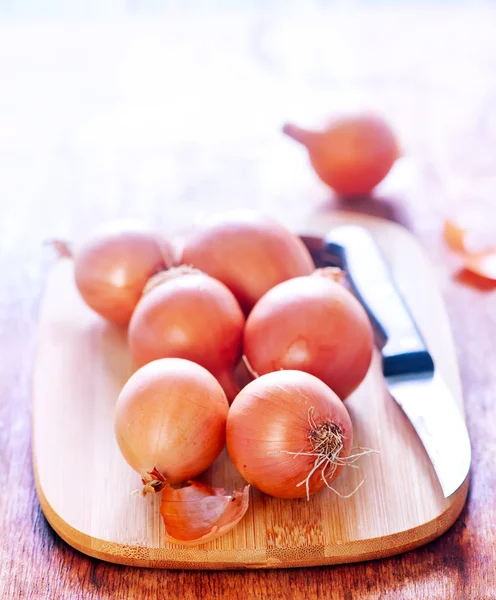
point(84, 486)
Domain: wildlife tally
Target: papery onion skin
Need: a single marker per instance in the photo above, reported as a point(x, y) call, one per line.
point(312, 324)
point(198, 513)
point(191, 316)
point(170, 417)
point(482, 264)
point(113, 266)
point(268, 429)
point(473, 237)
point(248, 252)
point(454, 235)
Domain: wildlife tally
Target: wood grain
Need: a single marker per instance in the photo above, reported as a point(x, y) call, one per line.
point(85, 491)
point(131, 124)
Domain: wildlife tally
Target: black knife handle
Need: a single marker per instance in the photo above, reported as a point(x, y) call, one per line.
point(355, 251)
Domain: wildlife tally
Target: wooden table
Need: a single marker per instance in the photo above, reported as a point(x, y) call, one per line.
point(161, 116)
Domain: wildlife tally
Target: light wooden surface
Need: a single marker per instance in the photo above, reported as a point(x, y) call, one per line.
point(160, 112)
point(85, 491)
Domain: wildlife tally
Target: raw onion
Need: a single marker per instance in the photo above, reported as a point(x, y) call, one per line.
point(113, 266)
point(288, 434)
point(188, 314)
point(248, 252)
point(170, 421)
point(311, 324)
point(352, 154)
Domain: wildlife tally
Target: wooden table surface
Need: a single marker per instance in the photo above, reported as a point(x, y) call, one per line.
point(162, 114)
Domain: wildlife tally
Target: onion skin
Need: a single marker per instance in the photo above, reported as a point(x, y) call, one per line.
point(482, 264)
point(248, 252)
point(268, 427)
point(113, 266)
point(170, 417)
point(198, 513)
point(311, 324)
point(352, 154)
point(190, 316)
point(454, 235)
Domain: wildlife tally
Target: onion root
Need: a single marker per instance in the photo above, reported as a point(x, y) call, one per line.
point(152, 484)
point(325, 443)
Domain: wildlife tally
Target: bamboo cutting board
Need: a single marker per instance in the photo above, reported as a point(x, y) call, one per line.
point(84, 486)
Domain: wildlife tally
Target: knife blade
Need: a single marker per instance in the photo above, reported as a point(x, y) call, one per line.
point(409, 370)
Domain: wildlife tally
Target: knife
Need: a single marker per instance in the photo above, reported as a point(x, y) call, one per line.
point(409, 370)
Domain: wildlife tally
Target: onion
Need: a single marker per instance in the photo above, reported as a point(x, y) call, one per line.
point(113, 266)
point(189, 315)
point(248, 252)
point(352, 154)
point(311, 324)
point(288, 434)
point(198, 513)
point(170, 421)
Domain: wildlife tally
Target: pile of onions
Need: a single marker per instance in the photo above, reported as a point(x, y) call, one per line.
point(247, 252)
point(190, 315)
point(288, 434)
point(113, 266)
point(306, 339)
point(170, 421)
point(311, 324)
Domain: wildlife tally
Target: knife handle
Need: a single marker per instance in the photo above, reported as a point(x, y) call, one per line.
point(354, 250)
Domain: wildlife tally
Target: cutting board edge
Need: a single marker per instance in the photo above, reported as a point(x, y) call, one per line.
point(350, 552)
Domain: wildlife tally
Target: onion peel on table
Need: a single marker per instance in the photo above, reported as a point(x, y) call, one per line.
point(197, 513)
point(454, 235)
point(481, 262)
